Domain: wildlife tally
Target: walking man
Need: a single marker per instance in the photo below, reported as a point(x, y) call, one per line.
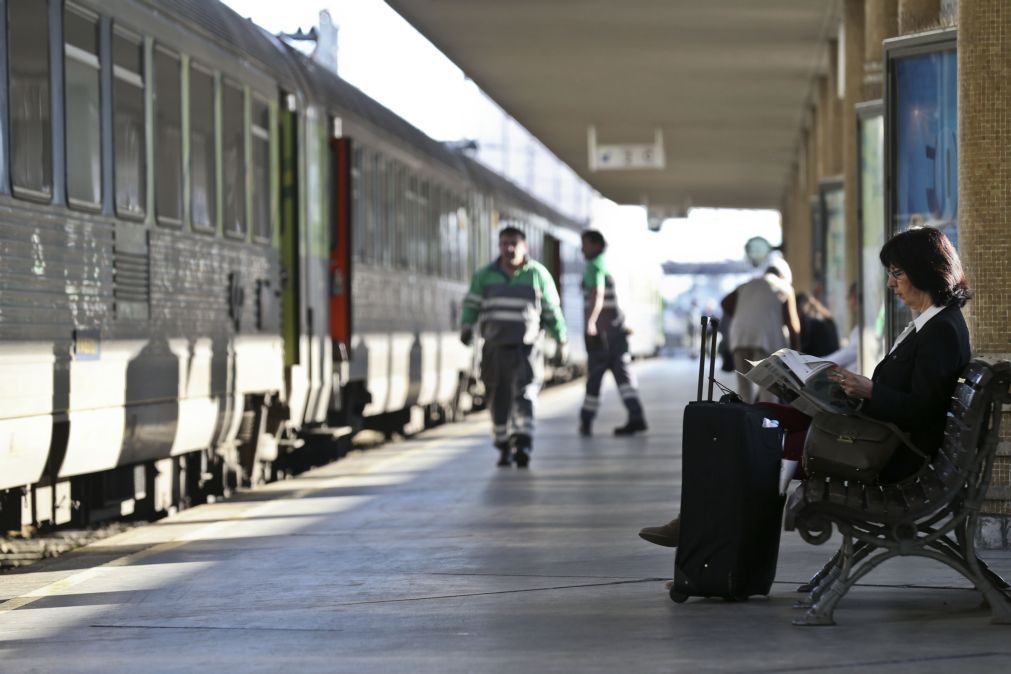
point(606, 341)
point(515, 299)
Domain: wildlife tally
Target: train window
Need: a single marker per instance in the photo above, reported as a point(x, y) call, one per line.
point(203, 192)
point(463, 220)
point(403, 199)
point(169, 136)
point(357, 203)
point(83, 108)
point(128, 121)
point(31, 133)
point(411, 219)
point(379, 195)
point(368, 204)
point(421, 226)
point(446, 257)
point(233, 158)
point(260, 131)
point(435, 249)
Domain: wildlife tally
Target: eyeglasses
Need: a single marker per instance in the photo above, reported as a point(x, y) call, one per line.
point(896, 273)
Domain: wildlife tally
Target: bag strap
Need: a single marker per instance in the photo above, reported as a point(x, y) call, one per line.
point(899, 433)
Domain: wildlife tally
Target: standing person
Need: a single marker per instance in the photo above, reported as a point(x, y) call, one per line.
point(764, 320)
point(515, 298)
point(606, 341)
point(819, 335)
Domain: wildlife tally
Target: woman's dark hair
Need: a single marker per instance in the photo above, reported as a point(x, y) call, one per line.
point(594, 237)
point(809, 305)
point(930, 262)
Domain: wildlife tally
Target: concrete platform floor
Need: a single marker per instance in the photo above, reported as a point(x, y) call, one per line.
point(422, 556)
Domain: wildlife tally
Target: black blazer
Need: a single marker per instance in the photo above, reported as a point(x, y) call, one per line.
point(913, 386)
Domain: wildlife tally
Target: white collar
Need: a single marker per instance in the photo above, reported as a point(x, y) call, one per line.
point(921, 320)
point(916, 324)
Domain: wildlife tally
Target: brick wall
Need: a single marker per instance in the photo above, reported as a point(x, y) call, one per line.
point(984, 180)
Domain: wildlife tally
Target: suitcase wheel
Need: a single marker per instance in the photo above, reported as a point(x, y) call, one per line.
point(677, 596)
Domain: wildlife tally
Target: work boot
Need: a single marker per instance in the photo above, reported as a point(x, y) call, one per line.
point(668, 535)
point(505, 454)
point(521, 444)
point(522, 456)
point(585, 429)
point(632, 427)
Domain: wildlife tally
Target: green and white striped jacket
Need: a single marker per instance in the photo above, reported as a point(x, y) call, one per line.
point(513, 310)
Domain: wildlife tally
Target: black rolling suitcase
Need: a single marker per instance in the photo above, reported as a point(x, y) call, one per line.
point(731, 510)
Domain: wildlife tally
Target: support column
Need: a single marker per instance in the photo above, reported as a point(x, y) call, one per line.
point(918, 15)
point(853, 71)
point(822, 129)
point(881, 21)
point(984, 176)
point(833, 114)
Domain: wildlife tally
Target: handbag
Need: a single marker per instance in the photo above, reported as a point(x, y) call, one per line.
point(851, 447)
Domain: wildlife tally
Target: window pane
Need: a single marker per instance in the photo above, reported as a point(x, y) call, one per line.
point(357, 205)
point(128, 94)
point(380, 234)
point(168, 106)
point(261, 169)
point(234, 158)
point(83, 106)
point(31, 130)
point(424, 235)
point(203, 194)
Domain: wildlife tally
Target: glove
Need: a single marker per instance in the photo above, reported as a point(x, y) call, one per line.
point(562, 356)
point(466, 335)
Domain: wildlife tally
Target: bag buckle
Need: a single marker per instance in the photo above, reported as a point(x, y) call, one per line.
point(848, 439)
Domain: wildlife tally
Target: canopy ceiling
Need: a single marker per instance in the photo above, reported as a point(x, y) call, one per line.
point(725, 81)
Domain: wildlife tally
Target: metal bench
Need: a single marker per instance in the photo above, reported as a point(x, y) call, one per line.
point(931, 514)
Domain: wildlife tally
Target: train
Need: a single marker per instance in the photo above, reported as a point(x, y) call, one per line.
point(220, 260)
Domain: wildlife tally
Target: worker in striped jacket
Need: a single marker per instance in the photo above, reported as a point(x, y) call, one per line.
point(606, 341)
point(515, 300)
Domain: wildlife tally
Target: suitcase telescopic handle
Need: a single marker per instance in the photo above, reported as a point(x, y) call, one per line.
point(702, 355)
point(714, 325)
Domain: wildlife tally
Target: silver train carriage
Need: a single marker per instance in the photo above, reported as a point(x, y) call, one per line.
point(216, 257)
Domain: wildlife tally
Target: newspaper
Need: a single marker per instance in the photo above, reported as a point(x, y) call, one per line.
point(801, 380)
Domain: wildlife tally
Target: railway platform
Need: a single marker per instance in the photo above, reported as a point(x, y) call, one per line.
point(423, 556)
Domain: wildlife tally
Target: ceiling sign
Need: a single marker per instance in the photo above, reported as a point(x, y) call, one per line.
point(625, 156)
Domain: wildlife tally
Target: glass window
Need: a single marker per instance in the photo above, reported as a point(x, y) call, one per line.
point(379, 195)
point(424, 238)
point(169, 137)
point(203, 191)
point(260, 131)
point(83, 107)
point(401, 213)
point(233, 158)
point(128, 120)
point(435, 240)
point(357, 204)
point(369, 202)
point(411, 216)
point(31, 129)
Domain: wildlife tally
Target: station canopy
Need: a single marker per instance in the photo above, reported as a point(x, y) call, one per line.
point(725, 82)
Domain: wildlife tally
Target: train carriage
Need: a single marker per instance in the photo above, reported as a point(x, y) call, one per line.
point(216, 254)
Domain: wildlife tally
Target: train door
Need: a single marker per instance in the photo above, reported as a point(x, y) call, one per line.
point(553, 259)
point(291, 271)
point(340, 254)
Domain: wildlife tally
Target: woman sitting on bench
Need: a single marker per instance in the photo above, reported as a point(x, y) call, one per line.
point(912, 386)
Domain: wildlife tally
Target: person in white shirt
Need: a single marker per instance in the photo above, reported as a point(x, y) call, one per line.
point(764, 320)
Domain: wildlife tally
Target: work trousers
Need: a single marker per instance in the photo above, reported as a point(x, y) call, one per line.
point(512, 376)
point(611, 355)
